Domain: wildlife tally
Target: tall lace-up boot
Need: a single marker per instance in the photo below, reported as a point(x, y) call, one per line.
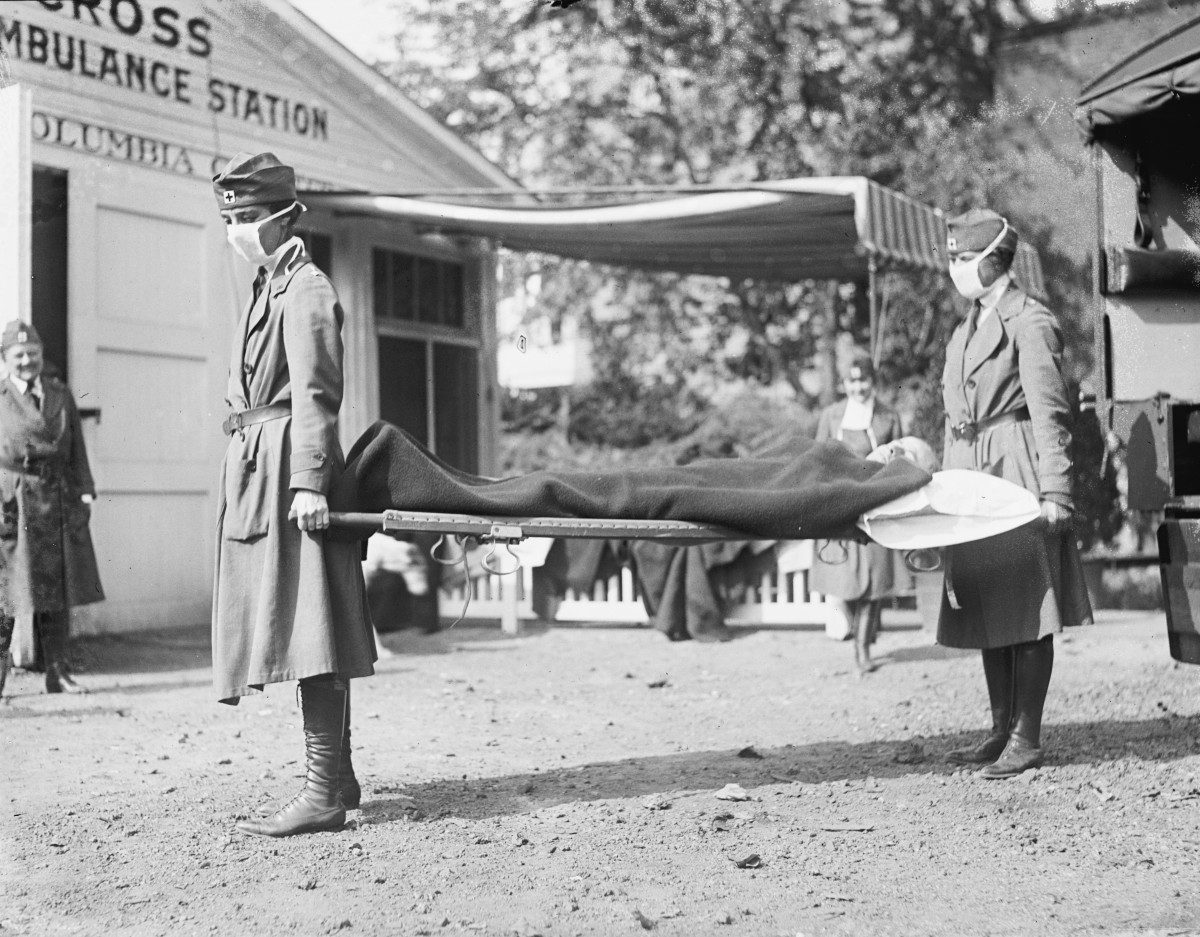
point(318, 806)
point(348, 784)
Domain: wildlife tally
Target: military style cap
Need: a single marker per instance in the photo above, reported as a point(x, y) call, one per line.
point(254, 180)
point(18, 333)
point(974, 230)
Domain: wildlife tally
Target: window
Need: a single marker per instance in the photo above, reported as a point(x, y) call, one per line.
point(418, 289)
point(320, 249)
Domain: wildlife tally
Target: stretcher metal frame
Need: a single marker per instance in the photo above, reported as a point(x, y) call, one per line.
point(514, 529)
point(506, 531)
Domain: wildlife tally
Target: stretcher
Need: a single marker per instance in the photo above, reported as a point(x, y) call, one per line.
point(507, 531)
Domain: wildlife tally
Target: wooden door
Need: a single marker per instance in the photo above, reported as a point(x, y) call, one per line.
point(150, 290)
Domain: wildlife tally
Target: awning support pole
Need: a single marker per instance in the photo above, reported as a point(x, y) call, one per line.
point(873, 307)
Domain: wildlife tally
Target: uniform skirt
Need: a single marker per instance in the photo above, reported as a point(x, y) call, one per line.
point(1013, 588)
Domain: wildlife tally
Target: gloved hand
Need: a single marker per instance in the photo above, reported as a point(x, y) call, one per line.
point(1056, 517)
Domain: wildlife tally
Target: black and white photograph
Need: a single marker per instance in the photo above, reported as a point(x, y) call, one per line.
point(583, 468)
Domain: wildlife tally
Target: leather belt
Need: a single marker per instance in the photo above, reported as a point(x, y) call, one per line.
point(40, 468)
point(237, 421)
point(970, 431)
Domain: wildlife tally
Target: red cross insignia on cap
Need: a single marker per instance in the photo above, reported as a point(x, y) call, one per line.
point(952, 243)
point(229, 196)
point(22, 336)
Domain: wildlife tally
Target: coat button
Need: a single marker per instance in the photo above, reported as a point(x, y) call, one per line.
point(248, 369)
point(971, 384)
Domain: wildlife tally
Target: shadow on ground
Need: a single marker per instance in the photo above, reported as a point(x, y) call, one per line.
point(1156, 740)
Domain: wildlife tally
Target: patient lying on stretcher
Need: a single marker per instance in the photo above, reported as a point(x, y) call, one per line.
point(799, 489)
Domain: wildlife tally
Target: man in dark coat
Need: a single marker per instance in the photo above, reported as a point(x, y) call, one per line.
point(288, 603)
point(1007, 414)
point(47, 564)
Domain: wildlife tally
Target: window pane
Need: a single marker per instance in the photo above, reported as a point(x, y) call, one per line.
point(320, 249)
point(380, 281)
point(452, 295)
point(456, 416)
point(402, 285)
point(403, 395)
point(427, 290)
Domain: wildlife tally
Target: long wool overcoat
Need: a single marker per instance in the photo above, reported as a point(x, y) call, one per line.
point(287, 604)
point(1023, 585)
point(47, 562)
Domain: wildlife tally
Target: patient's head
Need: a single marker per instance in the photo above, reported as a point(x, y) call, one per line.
point(917, 451)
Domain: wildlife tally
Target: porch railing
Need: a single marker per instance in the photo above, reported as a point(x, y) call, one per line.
point(777, 596)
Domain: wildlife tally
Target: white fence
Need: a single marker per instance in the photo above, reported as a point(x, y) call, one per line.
point(778, 596)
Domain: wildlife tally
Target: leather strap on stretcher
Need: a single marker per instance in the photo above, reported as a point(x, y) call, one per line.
point(244, 418)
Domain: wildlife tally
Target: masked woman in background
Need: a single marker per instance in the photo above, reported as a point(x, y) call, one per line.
point(868, 573)
point(47, 564)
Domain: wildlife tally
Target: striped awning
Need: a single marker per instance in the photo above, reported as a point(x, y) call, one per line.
point(795, 229)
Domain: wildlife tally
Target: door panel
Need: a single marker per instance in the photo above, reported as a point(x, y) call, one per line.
point(148, 300)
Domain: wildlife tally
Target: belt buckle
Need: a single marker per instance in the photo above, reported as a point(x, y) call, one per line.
point(233, 424)
point(966, 430)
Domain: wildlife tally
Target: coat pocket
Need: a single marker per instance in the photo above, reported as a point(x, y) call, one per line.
point(249, 500)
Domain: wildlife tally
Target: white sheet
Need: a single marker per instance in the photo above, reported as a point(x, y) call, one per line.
point(956, 507)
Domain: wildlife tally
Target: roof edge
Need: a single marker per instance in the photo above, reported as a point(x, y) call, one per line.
point(386, 92)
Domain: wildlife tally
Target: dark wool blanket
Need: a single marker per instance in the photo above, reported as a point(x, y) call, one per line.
point(799, 489)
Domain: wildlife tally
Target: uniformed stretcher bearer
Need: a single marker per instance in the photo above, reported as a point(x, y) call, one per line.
point(47, 564)
point(1007, 414)
point(288, 604)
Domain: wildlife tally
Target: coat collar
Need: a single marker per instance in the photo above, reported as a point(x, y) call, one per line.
point(992, 331)
point(291, 258)
point(54, 398)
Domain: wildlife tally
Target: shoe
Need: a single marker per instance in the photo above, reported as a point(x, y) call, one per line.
point(984, 753)
point(59, 680)
point(1018, 756)
point(318, 807)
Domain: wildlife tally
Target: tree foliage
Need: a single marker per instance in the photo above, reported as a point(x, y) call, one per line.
point(686, 92)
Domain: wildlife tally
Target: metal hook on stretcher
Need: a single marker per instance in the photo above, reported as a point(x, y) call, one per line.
point(508, 534)
point(452, 559)
point(488, 562)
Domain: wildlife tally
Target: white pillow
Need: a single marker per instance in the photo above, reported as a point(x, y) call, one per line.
point(956, 507)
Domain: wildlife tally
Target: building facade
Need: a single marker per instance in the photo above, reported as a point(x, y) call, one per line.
point(116, 115)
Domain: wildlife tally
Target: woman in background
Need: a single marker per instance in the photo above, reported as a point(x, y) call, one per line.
point(859, 583)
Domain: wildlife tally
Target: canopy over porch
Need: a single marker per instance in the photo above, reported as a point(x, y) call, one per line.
point(837, 228)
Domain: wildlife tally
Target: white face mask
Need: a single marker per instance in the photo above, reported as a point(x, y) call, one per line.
point(965, 273)
point(247, 241)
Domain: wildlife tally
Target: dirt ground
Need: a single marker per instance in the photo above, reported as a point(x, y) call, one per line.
point(563, 783)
